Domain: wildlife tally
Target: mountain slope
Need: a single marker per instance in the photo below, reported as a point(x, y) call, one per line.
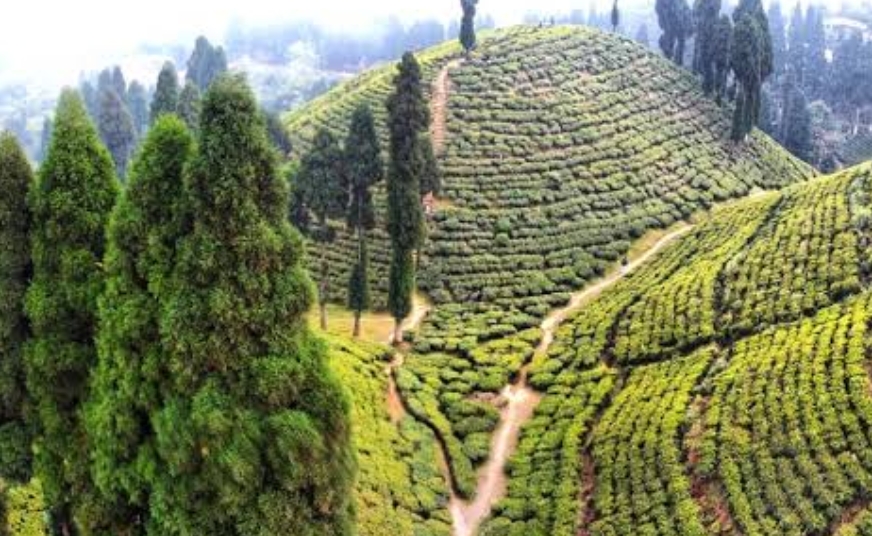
point(722, 389)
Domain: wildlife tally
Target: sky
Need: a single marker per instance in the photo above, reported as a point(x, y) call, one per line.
point(54, 39)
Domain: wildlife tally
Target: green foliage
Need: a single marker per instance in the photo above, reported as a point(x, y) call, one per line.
point(117, 129)
point(137, 104)
point(23, 510)
point(70, 205)
point(205, 64)
point(409, 117)
point(144, 229)
point(253, 432)
point(189, 106)
point(676, 21)
point(166, 94)
point(16, 181)
point(467, 25)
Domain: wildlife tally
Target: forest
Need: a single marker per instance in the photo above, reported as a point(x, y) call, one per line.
point(537, 279)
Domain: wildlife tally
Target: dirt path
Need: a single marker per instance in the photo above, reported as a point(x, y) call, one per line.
point(439, 107)
point(522, 400)
point(396, 409)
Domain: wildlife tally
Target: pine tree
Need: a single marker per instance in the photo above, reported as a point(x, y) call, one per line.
point(408, 118)
point(189, 105)
point(752, 63)
point(137, 104)
point(467, 25)
point(364, 168)
point(205, 64)
point(323, 189)
point(166, 95)
point(616, 16)
point(70, 205)
point(676, 20)
point(44, 139)
point(797, 135)
point(253, 434)
point(116, 129)
point(815, 60)
point(796, 45)
point(430, 176)
point(706, 14)
point(722, 52)
point(16, 180)
point(131, 370)
point(119, 84)
point(779, 36)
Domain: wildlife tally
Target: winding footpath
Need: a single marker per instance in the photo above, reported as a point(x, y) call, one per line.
point(396, 407)
point(439, 107)
point(521, 401)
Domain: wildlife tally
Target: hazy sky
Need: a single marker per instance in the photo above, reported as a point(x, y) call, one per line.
point(58, 38)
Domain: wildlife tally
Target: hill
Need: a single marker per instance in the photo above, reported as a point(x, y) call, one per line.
point(721, 389)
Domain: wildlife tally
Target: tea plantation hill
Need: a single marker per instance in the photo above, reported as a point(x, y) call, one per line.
point(559, 148)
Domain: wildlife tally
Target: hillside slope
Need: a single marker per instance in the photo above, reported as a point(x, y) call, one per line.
point(560, 146)
point(724, 388)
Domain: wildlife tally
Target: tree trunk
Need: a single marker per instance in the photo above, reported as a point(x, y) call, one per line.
point(356, 324)
point(398, 332)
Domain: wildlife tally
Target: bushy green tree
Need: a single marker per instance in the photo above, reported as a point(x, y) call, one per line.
point(409, 117)
point(205, 64)
point(253, 434)
point(137, 104)
point(16, 180)
point(364, 168)
point(189, 105)
point(116, 129)
point(70, 205)
point(144, 229)
point(323, 189)
point(467, 25)
point(166, 94)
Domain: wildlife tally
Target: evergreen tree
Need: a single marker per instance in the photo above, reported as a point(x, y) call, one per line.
point(706, 13)
point(430, 176)
point(409, 117)
point(722, 55)
point(205, 64)
point(815, 61)
point(70, 206)
point(91, 98)
point(616, 16)
point(116, 129)
point(137, 104)
point(16, 180)
point(189, 105)
point(166, 95)
point(676, 21)
point(797, 137)
point(44, 140)
point(119, 84)
point(796, 45)
point(131, 370)
point(467, 25)
point(779, 36)
point(364, 168)
point(253, 434)
point(277, 134)
point(323, 189)
point(751, 62)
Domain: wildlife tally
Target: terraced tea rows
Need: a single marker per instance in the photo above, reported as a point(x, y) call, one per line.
point(782, 444)
point(562, 146)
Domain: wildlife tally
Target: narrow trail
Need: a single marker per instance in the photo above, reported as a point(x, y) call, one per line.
point(521, 401)
point(439, 107)
point(396, 408)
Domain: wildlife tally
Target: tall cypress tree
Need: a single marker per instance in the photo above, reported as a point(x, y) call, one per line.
point(205, 64)
point(364, 168)
point(430, 176)
point(189, 105)
point(409, 117)
point(321, 185)
point(116, 129)
point(166, 95)
point(616, 16)
point(796, 134)
point(137, 103)
point(70, 205)
point(126, 389)
point(722, 55)
point(16, 180)
point(706, 14)
point(467, 25)
point(752, 63)
point(253, 435)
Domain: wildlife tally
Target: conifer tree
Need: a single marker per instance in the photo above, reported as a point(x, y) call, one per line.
point(706, 14)
point(137, 104)
point(131, 370)
point(323, 189)
point(44, 139)
point(116, 129)
point(205, 64)
point(409, 117)
point(364, 168)
point(467, 25)
point(70, 205)
point(676, 20)
point(253, 434)
point(16, 180)
point(430, 176)
point(189, 105)
point(722, 55)
point(797, 132)
point(119, 84)
point(751, 62)
point(616, 16)
point(166, 95)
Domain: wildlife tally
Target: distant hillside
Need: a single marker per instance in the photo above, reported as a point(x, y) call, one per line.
point(723, 388)
point(559, 146)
